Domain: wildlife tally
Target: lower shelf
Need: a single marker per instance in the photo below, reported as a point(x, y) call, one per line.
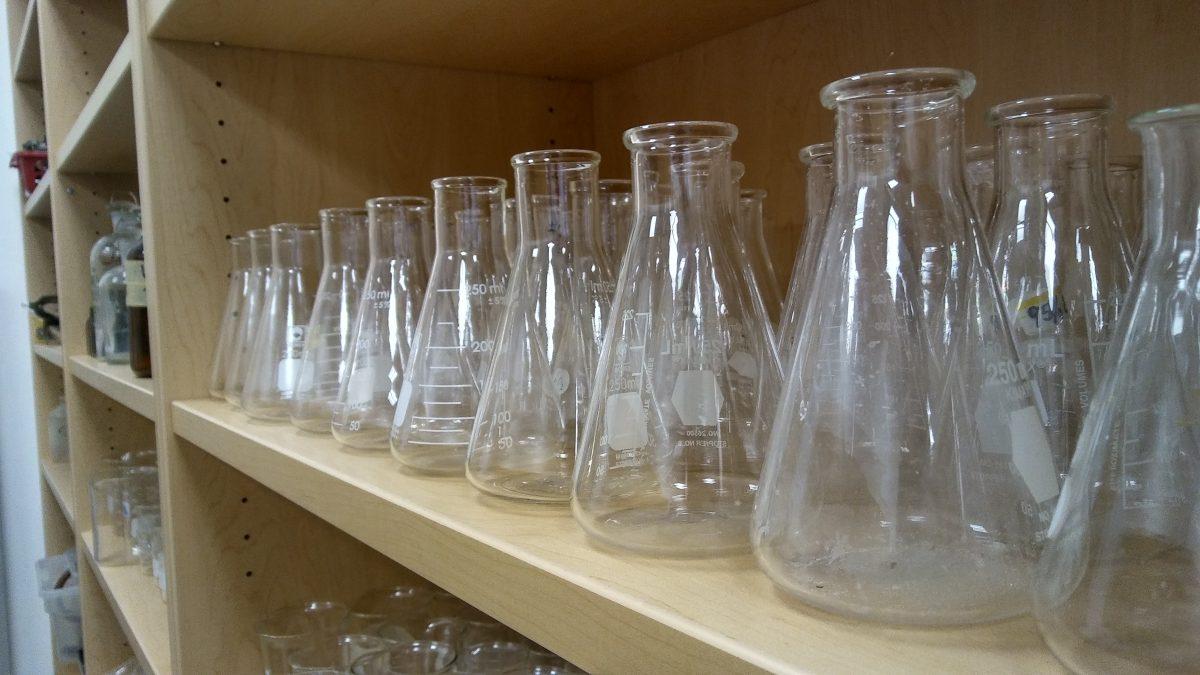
point(58, 477)
point(139, 609)
point(117, 382)
point(51, 353)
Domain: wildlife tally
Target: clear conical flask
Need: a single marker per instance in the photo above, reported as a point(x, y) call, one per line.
point(257, 287)
point(386, 322)
point(429, 243)
point(535, 398)
point(1118, 586)
point(107, 253)
point(512, 232)
point(235, 300)
point(456, 330)
point(817, 160)
point(345, 253)
point(981, 181)
point(754, 242)
point(908, 478)
point(1060, 257)
point(274, 364)
point(688, 376)
point(1125, 191)
point(616, 219)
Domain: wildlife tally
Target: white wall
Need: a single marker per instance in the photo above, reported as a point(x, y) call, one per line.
point(20, 478)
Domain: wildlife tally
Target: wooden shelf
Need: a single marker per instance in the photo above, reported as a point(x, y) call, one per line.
point(37, 204)
point(27, 63)
point(102, 139)
point(117, 382)
point(51, 353)
point(139, 607)
point(58, 477)
point(574, 39)
point(531, 567)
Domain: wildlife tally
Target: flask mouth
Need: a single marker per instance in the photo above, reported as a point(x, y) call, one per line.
point(1122, 163)
point(1189, 112)
point(890, 84)
point(1044, 110)
point(670, 137)
point(614, 186)
point(981, 153)
point(752, 194)
point(817, 154)
point(341, 213)
point(399, 202)
point(563, 159)
point(470, 183)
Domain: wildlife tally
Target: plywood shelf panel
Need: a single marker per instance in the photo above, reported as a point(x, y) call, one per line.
point(102, 140)
point(37, 205)
point(27, 64)
point(139, 608)
point(117, 382)
point(531, 567)
point(58, 477)
point(51, 353)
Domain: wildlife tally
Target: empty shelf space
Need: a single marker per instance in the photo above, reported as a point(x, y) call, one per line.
point(117, 382)
point(27, 58)
point(102, 140)
point(139, 608)
point(58, 477)
point(37, 204)
point(51, 353)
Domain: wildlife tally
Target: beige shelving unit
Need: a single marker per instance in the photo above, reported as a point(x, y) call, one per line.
point(225, 116)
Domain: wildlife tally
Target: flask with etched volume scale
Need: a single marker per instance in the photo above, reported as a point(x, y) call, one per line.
point(451, 350)
point(1117, 587)
point(981, 181)
point(385, 323)
point(616, 219)
point(688, 376)
point(274, 363)
point(257, 286)
point(235, 300)
point(817, 160)
point(908, 478)
point(535, 398)
point(1125, 191)
point(754, 247)
point(327, 336)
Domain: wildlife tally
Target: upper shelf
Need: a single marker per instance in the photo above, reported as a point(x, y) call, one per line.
point(117, 382)
point(101, 140)
point(138, 606)
point(27, 64)
point(52, 353)
point(531, 567)
point(578, 39)
point(37, 205)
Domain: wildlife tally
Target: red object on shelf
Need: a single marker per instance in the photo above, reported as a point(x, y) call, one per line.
point(32, 165)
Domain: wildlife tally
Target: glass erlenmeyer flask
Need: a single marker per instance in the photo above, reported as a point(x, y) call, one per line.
point(512, 232)
point(235, 300)
point(456, 330)
point(535, 399)
point(386, 322)
point(107, 253)
point(688, 376)
point(274, 363)
point(257, 286)
point(429, 243)
point(327, 338)
point(754, 246)
point(817, 160)
point(908, 478)
point(981, 181)
point(1059, 255)
point(1125, 191)
point(1118, 585)
point(616, 219)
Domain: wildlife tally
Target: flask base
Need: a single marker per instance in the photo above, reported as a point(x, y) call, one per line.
point(439, 460)
point(672, 532)
point(526, 486)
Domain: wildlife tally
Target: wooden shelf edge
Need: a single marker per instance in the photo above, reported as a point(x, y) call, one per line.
point(531, 567)
point(117, 382)
point(138, 606)
point(37, 204)
point(58, 477)
point(50, 353)
point(27, 66)
point(105, 112)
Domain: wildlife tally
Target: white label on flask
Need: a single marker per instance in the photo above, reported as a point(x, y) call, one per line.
point(1031, 453)
point(696, 398)
point(286, 375)
point(360, 389)
point(625, 421)
point(135, 283)
point(744, 364)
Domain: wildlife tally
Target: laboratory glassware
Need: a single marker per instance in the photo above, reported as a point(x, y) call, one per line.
point(754, 247)
point(817, 160)
point(456, 330)
point(106, 254)
point(235, 300)
point(291, 629)
point(1117, 588)
point(139, 316)
point(274, 363)
point(688, 375)
point(488, 658)
point(403, 605)
point(512, 232)
point(981, 181)
point(385, 323)
point(109, 544)
point(1059, 255)
point(258, 279)
point(534, 400)
point(908, 478)
point(1125, 191)
point(419, 657)
point(616, 219)
point(344, 251)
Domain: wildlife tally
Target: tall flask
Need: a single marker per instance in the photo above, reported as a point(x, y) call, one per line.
point(616, 218)
point(1125, 191)
point(688, 376)
point(908, 477)
point(1118, 588)
point(235, 300)
point(456, 330)
point(258, 279)
point(754, 247)
point(981, 181)
point(386, 322)
point(535, 400)
point(817, 160)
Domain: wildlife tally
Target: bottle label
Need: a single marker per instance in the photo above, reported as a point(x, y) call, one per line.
point(135, 283)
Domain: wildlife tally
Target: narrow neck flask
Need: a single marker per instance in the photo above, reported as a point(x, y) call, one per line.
point(688, 376)
point(908, 477)
point(616, 218)
point(258, 243)
point(817, 160)
point(1125, 190)
point(235, 297)
point(981, 181)
point(455, 333)
point(754, 247)
point(535, 397)
point(385, 323)
point(1117, 587)
point(512, 232)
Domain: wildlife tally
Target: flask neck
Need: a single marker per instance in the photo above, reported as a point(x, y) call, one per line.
point(344, 237)
point(750, 214)
point(396, 227)
point(259, 249)
point(818, 190)
point(1054, 157)
point(684, 188)
point(1171, 166)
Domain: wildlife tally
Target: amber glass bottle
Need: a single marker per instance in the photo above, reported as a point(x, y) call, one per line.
point(139, 319)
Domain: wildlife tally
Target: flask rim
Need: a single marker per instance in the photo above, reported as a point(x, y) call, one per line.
point(469, 183)
point(398, 201)
point(756, 194)
point(981, 151)
point(617, 186)
point(580, 159)
point(338, 212)
point(882, 84)
point(1042, 110)
point(1171, 113)
point(669, 137)
point(817, 154)
point(288, 227)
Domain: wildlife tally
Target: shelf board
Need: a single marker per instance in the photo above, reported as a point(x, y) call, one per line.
point(58, 477)
point(51, 353)
point(27, 65)
point(576, 39)
point(101, 140)
point(531, 567)
point(139, 608)
point(37, 204)
point(117, 382)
